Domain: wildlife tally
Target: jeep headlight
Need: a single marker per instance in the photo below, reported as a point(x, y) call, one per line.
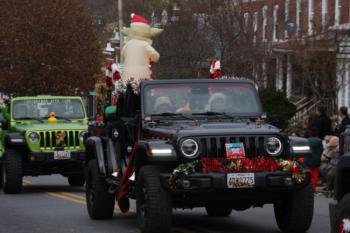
point(273, 146)
point(82, 135)
point(189, 148)
point(34, 137)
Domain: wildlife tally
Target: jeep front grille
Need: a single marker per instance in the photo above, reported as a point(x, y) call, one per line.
point(48, 139)
point(212, 146)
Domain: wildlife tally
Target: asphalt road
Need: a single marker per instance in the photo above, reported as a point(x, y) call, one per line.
point(48, 205)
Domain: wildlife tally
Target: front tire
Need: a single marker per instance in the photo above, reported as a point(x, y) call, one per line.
point(12, 173)
point(100, 203)
point(295, 211)
point(76, 180)
point(153, 203)
point(342, 212)
point(218, 211)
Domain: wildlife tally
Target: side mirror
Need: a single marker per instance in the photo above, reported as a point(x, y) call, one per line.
point(4, 124)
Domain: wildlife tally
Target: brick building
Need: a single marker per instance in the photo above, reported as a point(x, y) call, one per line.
point(320, 26)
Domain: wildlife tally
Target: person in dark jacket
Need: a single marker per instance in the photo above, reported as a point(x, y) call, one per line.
point(343, 111)
point(314, 162)
point(323, 123)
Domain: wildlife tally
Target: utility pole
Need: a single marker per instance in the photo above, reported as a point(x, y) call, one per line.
point(121, 37)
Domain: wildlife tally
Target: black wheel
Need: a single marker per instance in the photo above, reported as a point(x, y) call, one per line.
point(12, 173)
point(153, 203)
point(218, 211)
point(295, 211)
point(342, 212)
point(76, 180)
point(100, 203)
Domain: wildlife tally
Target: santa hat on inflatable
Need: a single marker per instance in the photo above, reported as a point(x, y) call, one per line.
point(140, 27)
point(137, 20)
point(215, 69)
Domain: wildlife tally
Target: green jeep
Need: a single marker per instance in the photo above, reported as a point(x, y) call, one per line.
point(42, 135)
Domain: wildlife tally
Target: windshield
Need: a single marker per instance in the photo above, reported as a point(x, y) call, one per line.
point(193, 98)
point(41, 108)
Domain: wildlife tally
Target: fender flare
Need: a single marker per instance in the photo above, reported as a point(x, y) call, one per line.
point(111, 155)
point(94, 150)
point(15, 139)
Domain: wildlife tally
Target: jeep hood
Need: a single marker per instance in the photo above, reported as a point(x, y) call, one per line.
point(222, 128)
point(49, 127)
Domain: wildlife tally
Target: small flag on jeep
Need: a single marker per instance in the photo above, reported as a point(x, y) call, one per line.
point(235, 151)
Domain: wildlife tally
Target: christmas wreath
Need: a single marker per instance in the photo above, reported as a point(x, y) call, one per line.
point(258, 164)
point(122, 85)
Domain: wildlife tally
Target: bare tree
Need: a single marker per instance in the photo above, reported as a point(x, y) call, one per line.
point(47, 47)
point(316, 68)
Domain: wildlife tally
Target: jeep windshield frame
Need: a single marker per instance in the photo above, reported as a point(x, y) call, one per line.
point(235, 98)
point(39, 108)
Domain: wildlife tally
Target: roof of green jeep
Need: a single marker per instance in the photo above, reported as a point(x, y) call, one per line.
point(44, 97)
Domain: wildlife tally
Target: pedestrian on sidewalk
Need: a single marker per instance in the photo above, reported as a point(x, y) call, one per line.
point(343, 112)
point(322, 123)
point(314, 162)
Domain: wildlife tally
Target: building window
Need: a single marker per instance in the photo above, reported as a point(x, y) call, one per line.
point(324, 14)
point(255, 22)
point(298, 17)
point(275, 23)
point(264, 28)
point(246, 22)
point(337, 12)
point(255, 25)
point(311, 17)
point(286, 12)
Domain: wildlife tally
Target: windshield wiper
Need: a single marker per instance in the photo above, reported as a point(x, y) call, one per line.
point(211, 113)
point(63, 118)
point(172, 114)
point(29, 118)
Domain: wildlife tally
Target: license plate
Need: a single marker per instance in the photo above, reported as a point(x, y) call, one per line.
point(61, 155)
point(240, 180)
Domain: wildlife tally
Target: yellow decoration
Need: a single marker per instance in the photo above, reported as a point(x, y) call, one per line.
point(52, 118)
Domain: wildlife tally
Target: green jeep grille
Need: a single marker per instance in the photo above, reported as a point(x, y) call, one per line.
point(48, 139)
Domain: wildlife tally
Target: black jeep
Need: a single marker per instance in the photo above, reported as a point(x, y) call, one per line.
point(195, 143)
point(340, 209)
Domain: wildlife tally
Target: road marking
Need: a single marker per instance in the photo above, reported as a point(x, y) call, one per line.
point(73, 195)
point(66, 197)
point(82, 200)
point(28, 182)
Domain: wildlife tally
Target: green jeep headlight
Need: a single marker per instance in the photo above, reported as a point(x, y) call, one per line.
point(34, 137)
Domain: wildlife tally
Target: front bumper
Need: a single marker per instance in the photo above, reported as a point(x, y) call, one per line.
point(45, 164)
point(213, 182)
point(37, 157)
